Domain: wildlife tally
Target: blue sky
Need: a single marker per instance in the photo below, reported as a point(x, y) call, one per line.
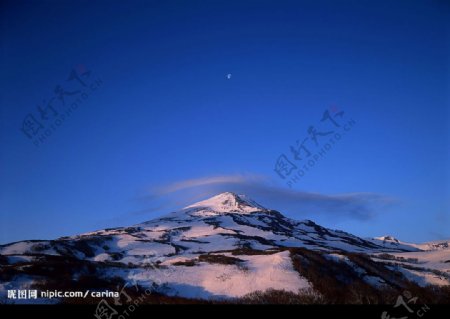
point(161, 112)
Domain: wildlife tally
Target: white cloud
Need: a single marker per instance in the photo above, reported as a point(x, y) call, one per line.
point(360, 205)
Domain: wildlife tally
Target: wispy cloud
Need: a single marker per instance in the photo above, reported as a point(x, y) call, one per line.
point(360, 205)
point(208, 181)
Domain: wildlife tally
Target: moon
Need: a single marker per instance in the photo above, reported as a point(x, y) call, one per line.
point(229, 76)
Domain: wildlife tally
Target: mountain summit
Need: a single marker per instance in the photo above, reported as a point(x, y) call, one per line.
point(228, 202)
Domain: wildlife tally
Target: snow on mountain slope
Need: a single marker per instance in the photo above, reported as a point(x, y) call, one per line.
point(429, 264)
point(215, 280)
point(223, 247)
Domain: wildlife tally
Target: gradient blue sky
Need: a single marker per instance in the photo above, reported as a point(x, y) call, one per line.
point(166, 112)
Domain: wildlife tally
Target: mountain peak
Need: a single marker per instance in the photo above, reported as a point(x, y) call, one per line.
point(388, 238)
point(228, 202)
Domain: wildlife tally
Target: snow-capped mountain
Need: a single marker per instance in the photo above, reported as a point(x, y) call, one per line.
point(227, 246)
